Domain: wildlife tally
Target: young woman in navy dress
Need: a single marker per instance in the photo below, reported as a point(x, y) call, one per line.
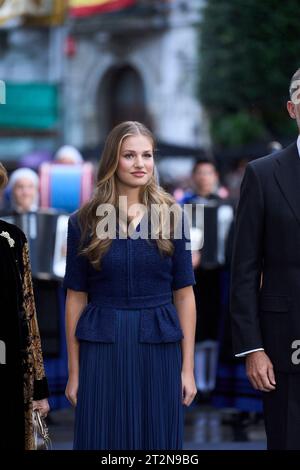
point(130, 307)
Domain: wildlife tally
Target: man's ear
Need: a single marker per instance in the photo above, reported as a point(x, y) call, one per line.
point(291, 109)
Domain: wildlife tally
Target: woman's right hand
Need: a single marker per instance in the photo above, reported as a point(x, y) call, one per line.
point(72, 388)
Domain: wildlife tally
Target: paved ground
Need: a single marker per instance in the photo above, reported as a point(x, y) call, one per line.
point(205, 429)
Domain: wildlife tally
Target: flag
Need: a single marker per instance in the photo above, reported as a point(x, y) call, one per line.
point(90, 7)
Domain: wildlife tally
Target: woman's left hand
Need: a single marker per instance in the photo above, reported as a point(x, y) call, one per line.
point(189, 389)
point(42, 406)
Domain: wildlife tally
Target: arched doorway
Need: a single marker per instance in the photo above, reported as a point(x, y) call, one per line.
point(121, 97)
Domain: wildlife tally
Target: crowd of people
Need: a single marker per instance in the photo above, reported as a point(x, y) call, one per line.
point(21, 195)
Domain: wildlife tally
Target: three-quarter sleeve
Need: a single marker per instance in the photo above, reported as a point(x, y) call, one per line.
point(77, 264)
point(182, 268)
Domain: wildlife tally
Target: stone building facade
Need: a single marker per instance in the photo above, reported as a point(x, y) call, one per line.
point(137, 63)
point(140, 63)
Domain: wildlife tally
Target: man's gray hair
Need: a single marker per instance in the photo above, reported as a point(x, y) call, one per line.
point(293, 84)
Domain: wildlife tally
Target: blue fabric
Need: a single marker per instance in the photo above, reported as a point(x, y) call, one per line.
point(133, 275)
point(130, 352)
point(65, 187)
point(135, 262)
point(129, 395)
point(157, 325)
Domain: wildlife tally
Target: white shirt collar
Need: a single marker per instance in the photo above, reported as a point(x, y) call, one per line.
point(298, 144)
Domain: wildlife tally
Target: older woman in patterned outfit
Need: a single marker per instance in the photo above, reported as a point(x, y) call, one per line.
point(23, 385)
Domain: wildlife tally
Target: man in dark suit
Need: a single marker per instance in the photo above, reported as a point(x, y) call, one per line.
point(265, 284)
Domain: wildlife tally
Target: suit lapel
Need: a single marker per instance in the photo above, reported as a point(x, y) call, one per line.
point(287, 174)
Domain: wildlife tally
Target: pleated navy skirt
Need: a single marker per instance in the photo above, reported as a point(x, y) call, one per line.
point(129, 395)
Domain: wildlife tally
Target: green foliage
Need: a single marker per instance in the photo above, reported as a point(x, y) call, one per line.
point(248, 52)
point(237, 129)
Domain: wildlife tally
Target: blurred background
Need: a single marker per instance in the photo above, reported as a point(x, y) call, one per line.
point(210, 78)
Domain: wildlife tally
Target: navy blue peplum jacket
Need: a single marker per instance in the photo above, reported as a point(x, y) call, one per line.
point(133, 275)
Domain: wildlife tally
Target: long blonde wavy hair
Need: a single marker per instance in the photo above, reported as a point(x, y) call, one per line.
point(106, 192)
